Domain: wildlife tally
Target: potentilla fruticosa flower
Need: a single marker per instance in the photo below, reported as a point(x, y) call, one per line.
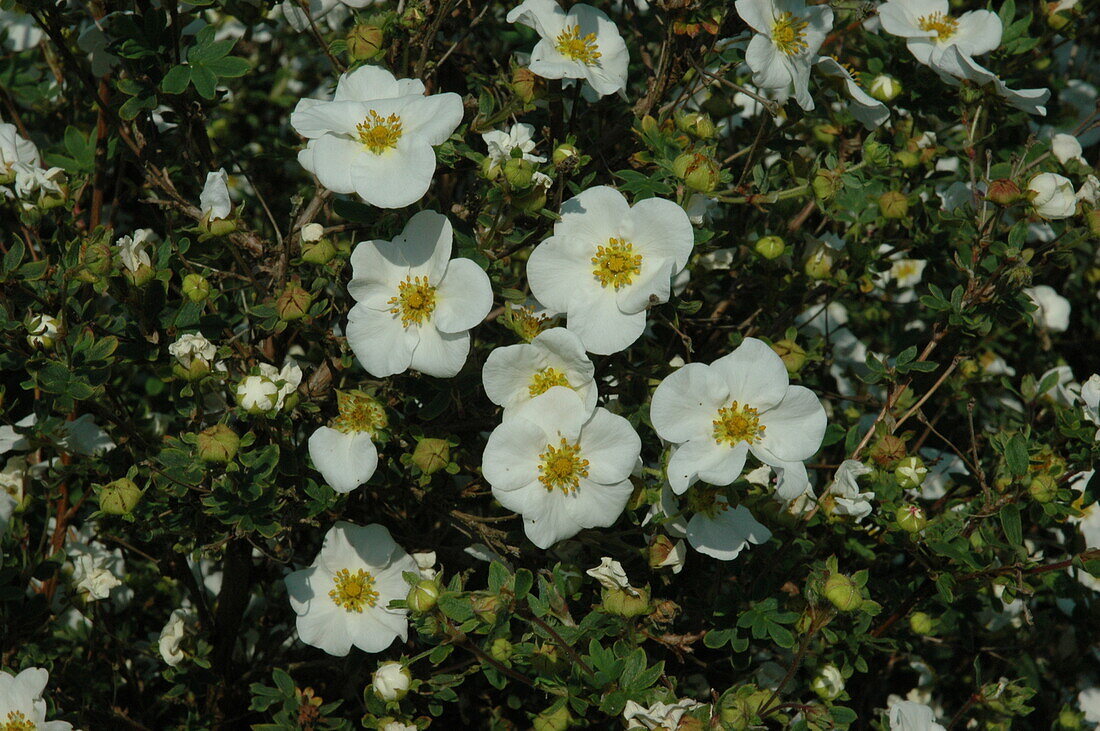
point(788, 35)
point(560, 467)
point(375, 138)
point(742, 403)
point(582, 43)
point(929, 29)
point(414, 304)
point(608, 262)
point(515, 374)
point(344, 452)
point(343, 599)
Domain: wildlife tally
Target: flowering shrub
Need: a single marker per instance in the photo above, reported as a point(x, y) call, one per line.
point(680, 364)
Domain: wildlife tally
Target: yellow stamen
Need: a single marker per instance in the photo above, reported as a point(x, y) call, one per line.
point(616, 263)
point(574, 46)
point(545, 379)
point(944, 26)
point(737, 423)
point(562, 467)
point(414, 302)
point(378, 133)
point(353, 591)
point(16, 721)
point(789, 34)
point(358, 413)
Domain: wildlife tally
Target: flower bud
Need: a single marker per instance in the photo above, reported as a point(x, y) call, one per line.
point(621, 603)
point(888, 451)
point(921, 623)
point(501, 650)
point(527, 86)
point(819, 264)
point(910, 473)
point(423, 596)
point(365, 42)
point(118, 497)
point(257, 394)
point(699, 172)
point(518, 172)
point(1043, 488)
point(293, 303)
point(218, 444)
point(553, 720)
point(738, 709)
point(218, 226)
point(907, 158)
point(792, 354)
point(532, 200)
point(565, 155)
point(42, 331)
point(1052, 196)
point(485, 606)
point(828, 684)
point(391, 681)
point(97, 256)
point(663, 553)
point(875, 153)
point(196, 287)
point(312, 232)
point(825, 185)
point(910, 518)
point(318, 252)
point(885, 88)
point(141, 276)
point(843, 593)
point(431, 455)
point(825, 133)
point(694, 123)
point(770, 247)
point(893, 204)
point(1003, 192)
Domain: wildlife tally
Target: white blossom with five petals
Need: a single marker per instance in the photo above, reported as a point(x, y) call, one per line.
point(515, 374)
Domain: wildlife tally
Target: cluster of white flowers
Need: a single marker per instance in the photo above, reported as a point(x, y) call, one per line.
point(21, 167)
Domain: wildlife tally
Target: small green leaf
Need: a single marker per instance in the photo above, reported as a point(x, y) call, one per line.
point(176, 80)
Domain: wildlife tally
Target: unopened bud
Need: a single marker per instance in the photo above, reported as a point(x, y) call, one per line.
point(825, 185)
point(699, 172)
point(1003, 192)
point(141, 276)
point(921, 623)
point(876, 153)
point(293, 303)
point(910, 518)
point(893, 204)
point(907, 158)
point(885, 88)
point(423, 596)
point(118, 497)
point(843, 593)
point(910, 473)
point(792, 354)
point(318, 252)
point(770, 247)
point(527, 86)
point(518, 172)
point(825, 133)
point(365, 42)
point(196, 287)
point(431, 455)
point(819, 264)
point(218, 444)
point(888, 451)
point(43, 331)
point(485, 606)
point(391, 681)
point(694, 123)
point(622, 603)
point(565, 155)
point(1043, 488)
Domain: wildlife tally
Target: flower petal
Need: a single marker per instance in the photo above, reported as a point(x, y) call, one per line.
point(795, 428)
point(463, 298)
point(662, 229)
point(556, 270)
point(433, 118)
point(754, 374)
point(726, 535)
point(610, 445)
point(439, 354)
point(598, 505)
point(707, 460)
point(425, 244)
point(346, 461)
point(686, 403)
point(511, 457)
point(381, 344)
point(601, 325)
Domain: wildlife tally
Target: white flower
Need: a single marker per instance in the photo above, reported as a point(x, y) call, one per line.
point(257, 394)
point(286, 380)
point(955, 67)
point(580, 44)
point(515, 374)
point(191, 348)
point(42, 331)
point(31, 179)
point(414, 304)
point(84, 436)
point(846, 493)
point(930, 30)
point(312, 232)
point(391, 681)
point(343, 598)
point(885, 87)
point(912, 716)
point(743, 402)
point(1066, 147)
point(425, 562)
point(92, 574)
point(610, 575)
point(171, 635)
point(21, 702)
point(788, 36)
point(722, 532)
point(131, 249)
point(214, 200)
point(20, 30)
point(344, 453)
point(675, 558)
point(10, 439)
point(828, 683)
point(375, 138)
point(398, 726)
point(1089, 192)
point(560, 467)
point(864, 107)
point(500, 144)
point(15, 149)
point(905, 273)
point(1089, 700)
point(1053, 309)
point(1052, 195)
point(1090, 397)
point(657, 716)
point(607, 262)
point(941, 465)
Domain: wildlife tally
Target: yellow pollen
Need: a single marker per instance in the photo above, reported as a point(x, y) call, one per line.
point(353, 591)
point(736, 423)
point(616, 263)
point(378, 133)
point(574, 46)
point(16, 721)
point(789, 34)
point(546, 379)
point(358, 413)
point(562, 467)
point(415, 300)
point(944, 26)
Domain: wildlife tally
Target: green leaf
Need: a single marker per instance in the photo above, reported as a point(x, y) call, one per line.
point(1010, 522)
point(14, 257)
point(204, 80)
point(1016, 458)
point(176, 80)
point(229, 67)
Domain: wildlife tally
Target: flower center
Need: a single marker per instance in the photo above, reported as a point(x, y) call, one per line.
point(905, 269)
point(378, 133)
point(16, 721)
point(616, 264)
point(944, 26)
point(705, 500)
point(737, 423)
point(353, 591)
point(562, 467)
point(415, 300)
point(789, 33)
point(574, 46)
point(358, 413)
point(546, 379)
